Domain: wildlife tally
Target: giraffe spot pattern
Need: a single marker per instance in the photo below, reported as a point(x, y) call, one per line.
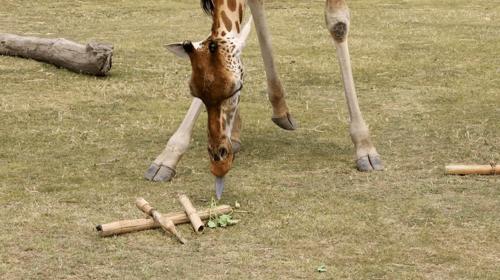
point(240, 12)
point(231, 4)
point(226, 21)
point(237, 24)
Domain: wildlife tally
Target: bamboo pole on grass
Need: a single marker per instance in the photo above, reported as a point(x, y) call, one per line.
point(191, 213)
point(165, 222)
point(126, 226)
point(491, 169)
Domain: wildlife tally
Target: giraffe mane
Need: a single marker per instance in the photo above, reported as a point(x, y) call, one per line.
point(207, 6)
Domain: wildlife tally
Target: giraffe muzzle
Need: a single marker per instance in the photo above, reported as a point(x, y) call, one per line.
point(221, 160)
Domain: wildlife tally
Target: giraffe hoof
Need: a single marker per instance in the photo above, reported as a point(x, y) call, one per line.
point(151, 172)
point(287, 122)
point(363, 164)
point(369, 163)
point(165, 174)
point(376, 162)
point(159, 173)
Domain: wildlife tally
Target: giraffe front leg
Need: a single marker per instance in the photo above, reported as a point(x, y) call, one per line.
point(337, 22)
point(163, 167)
point(281, 115)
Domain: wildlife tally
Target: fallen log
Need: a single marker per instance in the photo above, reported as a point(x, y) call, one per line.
point(491, 169)
point(126, 226)
point(92, 58)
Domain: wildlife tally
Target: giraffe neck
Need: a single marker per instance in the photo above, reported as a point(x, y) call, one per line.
point(227, 17)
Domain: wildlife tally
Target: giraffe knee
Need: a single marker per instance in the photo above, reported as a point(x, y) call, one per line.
point(337, 19)
point(339, 31)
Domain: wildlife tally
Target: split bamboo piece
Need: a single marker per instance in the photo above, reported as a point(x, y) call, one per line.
point(126, 226)
point(491, 169)
point(165, 222)
point(191, 213)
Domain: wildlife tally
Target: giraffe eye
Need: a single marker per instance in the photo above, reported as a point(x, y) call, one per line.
point(212, 47)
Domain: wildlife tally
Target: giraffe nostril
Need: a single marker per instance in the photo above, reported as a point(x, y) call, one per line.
point(219, 154)
point(216, 157)
point(223, 153)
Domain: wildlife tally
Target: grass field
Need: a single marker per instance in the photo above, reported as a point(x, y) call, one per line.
point(73, 148)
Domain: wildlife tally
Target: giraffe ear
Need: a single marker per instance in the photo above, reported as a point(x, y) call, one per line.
point(177, 49)
point(183, 49)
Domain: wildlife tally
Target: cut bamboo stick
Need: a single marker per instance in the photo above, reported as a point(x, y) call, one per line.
point(473, 169)
point(191, 213)
point(126, 226)
point(165, 222)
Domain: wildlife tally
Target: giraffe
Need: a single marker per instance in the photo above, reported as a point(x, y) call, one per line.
point(217, 81)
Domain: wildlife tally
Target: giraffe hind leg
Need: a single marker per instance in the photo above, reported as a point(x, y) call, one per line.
point(337, 22)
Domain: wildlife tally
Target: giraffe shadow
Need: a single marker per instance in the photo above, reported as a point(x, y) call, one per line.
point(282, 146)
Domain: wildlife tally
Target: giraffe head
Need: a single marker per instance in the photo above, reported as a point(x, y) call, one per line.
point(217, 79)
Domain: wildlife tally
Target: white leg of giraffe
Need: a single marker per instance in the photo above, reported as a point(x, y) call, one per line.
point(281, 114)
point(337, 21)
point(163, 167)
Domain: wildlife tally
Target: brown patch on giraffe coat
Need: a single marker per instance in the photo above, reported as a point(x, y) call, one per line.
point(240, 12)
point(237, 26)
point(231, 4)
point(227, 21)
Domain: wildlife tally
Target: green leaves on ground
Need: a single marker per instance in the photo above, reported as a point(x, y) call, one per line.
point(223, 220)
point(212, 224)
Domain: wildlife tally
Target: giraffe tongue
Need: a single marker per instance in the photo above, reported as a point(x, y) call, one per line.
point(219, 186)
